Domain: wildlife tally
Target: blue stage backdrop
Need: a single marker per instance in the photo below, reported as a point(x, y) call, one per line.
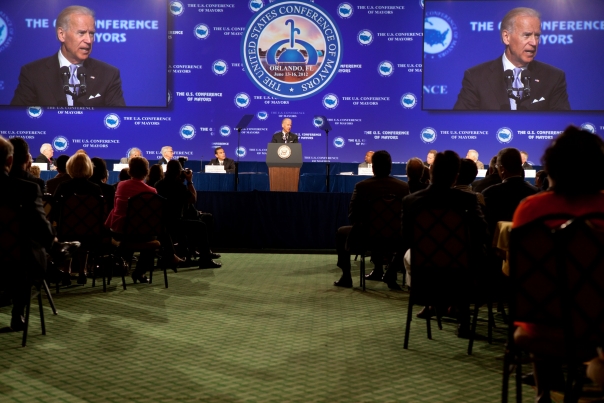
point(357, 63)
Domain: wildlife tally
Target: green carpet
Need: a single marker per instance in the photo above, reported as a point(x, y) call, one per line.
point(264, 328)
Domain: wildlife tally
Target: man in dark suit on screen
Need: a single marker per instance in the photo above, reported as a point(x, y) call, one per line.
point(485, 87)
point(221, 159)
point(285, 135)
point(59, 80)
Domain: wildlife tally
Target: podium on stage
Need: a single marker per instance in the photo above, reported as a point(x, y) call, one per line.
point(284, 161)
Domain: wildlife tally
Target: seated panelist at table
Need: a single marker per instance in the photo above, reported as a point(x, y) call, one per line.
point(367, 163)
point(45, 157)
point(285, 135)
point(221, 159)
point(70, 77)
point(134, 152)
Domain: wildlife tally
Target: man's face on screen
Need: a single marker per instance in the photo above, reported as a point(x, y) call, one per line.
point(78, 38)
point(523, 40)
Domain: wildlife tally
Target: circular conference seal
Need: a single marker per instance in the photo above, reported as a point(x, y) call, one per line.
point(291, 49)
point(284, 152)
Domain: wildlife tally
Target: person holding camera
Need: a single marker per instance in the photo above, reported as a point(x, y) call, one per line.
point(190, 231)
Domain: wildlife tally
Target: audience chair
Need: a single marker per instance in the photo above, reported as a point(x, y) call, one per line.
point(142, 228)
point(82, 219)
point(381, 230)
point(442, 267)
point(557, 287)
point(11, 258)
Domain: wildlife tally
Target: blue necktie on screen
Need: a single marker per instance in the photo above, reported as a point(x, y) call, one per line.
point(73, 81)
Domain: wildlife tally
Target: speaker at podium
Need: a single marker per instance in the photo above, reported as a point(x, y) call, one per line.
point(284, 161)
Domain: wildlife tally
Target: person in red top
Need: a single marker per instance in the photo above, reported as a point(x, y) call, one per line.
point(571, 192)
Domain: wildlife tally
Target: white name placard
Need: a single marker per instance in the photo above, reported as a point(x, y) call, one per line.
point(119, 167)
point(215, 169)
point(365, 171)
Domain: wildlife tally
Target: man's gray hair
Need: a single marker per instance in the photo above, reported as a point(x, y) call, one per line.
point(64, 18)
point(507, 24)
point(139, 150)
point(165, 148)
point(44, 147)
point(6, 150)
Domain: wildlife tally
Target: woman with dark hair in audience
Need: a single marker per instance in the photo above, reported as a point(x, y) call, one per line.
point(99, 176)
point(570, 192)
point(124, 175)
point(156, 173)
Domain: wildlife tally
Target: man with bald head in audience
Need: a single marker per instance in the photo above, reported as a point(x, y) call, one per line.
point(502, 199)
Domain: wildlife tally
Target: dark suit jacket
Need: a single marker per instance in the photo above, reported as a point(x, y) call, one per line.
point(483, 88)
point(526, 165)
point(489, 180)
point(79, 186)
point(364, 193)
point(278, 138)
point(53, 184)
point(42, 159)
point(40, 84)
point(21, 174)
point(437, 197)
point(229, 164)
point(35, 230)
point(502, 199)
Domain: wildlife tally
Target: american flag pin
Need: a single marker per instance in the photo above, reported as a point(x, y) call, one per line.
point(536, 80)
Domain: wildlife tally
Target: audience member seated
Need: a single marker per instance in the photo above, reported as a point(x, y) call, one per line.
point(34, 170)
point(541, 181)
point(156, 173)
point(179, 197)
point(139, 169)
point(99, 177)
point(367, 161)
point(134, 152)
point(441, 195)
point(35, 232)
point(467, 174)
point(62, 175)
point(380, 185)
point(79, 167)
point(473, 155)
point(573, 193)
point(22, 162)
point(502, 199)
point(45, 157)
point(525, 164)
point(415, 172)
point(491, 178)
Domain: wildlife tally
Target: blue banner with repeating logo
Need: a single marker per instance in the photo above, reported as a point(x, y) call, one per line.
point(347, 73)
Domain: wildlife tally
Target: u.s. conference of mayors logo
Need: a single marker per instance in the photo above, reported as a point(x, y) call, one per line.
point(177, 8)
point(187, 131)
point(331, 101)
point(225, 131)
point(345, 10)
point(34, 112)
point(255, 5)
point(386, 68)
point(201, 31)
point(112, 121)
point(318, 122)
point(409, 100)
point(242, 100)
point(589, 127)
point(6, 31)
point(365, 37)
point(262, 115)
point(291, 49)
point(220, 67)
point(241, 152)
point(504, 135)
point(440, 34)
point(428, 135)
point(60, 143)
point(339, 142)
